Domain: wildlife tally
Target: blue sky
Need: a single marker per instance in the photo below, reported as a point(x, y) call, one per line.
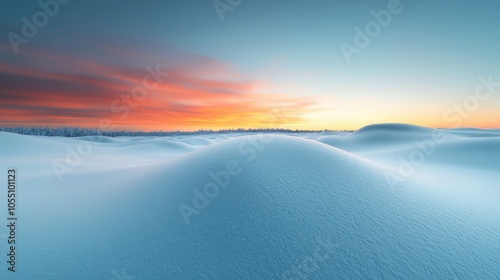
point(427, 58)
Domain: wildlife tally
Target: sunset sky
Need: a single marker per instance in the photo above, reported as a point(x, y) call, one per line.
point(259, 64)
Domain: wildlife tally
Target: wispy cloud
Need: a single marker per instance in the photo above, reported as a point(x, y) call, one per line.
point(55, 89)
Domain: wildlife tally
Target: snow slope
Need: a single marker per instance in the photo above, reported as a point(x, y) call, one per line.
point(463, 162)
point(256, 207)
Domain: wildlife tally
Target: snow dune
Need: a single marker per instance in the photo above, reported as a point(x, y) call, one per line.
point(256, 207)
point(460, 162)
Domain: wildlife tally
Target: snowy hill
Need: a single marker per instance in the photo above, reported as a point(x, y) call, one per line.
point(255, 207)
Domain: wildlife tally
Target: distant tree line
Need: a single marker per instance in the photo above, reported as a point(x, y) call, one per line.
point(78, 132)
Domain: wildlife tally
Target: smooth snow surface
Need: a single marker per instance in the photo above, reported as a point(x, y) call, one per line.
point(297, 206)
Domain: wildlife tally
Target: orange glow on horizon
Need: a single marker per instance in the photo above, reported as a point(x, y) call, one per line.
point(84, 93)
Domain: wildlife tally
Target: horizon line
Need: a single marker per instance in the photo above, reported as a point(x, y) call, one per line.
point(75, 131)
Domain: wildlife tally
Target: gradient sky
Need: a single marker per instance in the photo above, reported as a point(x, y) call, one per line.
point(266, 64)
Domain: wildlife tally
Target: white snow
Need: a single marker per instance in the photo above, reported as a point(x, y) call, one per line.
point(229, 206)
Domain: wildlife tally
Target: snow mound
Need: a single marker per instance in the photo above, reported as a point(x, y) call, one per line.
point(379, 137)
point(197, 141)
point(99, 139)
point(393, 127)
point(254, 207)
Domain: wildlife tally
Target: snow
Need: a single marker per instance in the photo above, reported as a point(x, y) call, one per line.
point(261, 206)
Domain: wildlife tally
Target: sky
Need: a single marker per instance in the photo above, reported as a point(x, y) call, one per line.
point(198, 64)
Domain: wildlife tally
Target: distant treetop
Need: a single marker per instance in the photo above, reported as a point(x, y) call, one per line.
point(79, 132)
